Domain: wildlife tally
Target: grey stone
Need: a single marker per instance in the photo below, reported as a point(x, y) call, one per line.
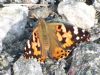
point(27, 67)
point(12, 23)
point(86, 60)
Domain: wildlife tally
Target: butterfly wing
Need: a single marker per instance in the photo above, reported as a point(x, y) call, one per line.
point(64, 38)
point(33, 48)
point(71, 35)
point(54, 40)
point(38, 45)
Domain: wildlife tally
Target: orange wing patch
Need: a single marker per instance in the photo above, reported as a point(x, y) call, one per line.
point(64, 36)
point(59, 36)
point(68, 41)
point(35, 50)
point(59, 53)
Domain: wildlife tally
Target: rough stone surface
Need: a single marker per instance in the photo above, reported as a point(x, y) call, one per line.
point(78, 13)
point(51, 68)
point(30, 1)
point(5, 63)
point(86, 60)
point(2, 1)
point(97, 4)
point(95, 32)
point(12, 23)
point(40, 12)
point(24, 67)
point(18, 1)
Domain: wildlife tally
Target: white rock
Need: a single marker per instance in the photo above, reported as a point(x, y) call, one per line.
point(2, 1)
point(30, 67)
point(97, 4)
point(12, 20)
point(40, 12)
point(18, 1)
point(30, 1)
point(34, 1)
point(78, 13)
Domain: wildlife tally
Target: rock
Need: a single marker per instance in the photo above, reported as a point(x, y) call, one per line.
point(5, 72)
point(97, 4)
point(98, 15)
point(78, 13)
point(51, 1)
point(12, 23)
point(39, 12)
point(18, 1)
point(2, 1)
point(86, 60)
point(89, 2)
point(5, 60)
point(34, 1)
point(27, 67)
point(5, 63)
point(30, 1)
point(51, 68)
point(95, 32)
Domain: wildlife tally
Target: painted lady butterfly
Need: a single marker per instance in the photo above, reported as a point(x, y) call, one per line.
point(53, 40)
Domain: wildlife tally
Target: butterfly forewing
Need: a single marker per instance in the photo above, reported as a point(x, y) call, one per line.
point(33, 47)
point(39, 42)
point(71, 35)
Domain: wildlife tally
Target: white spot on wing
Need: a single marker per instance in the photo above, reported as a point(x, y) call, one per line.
point(81, 37)
point(29, 52)
point(75, 30)
point(77, 38)
point(28, 44)
point(83, 30)
point(84, 35)
point(25, 48)
point(25, 52)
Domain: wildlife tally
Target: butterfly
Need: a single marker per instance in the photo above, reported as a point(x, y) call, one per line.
point(53, 40)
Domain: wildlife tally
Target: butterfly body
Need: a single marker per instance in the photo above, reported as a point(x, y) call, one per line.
point(53, 40)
